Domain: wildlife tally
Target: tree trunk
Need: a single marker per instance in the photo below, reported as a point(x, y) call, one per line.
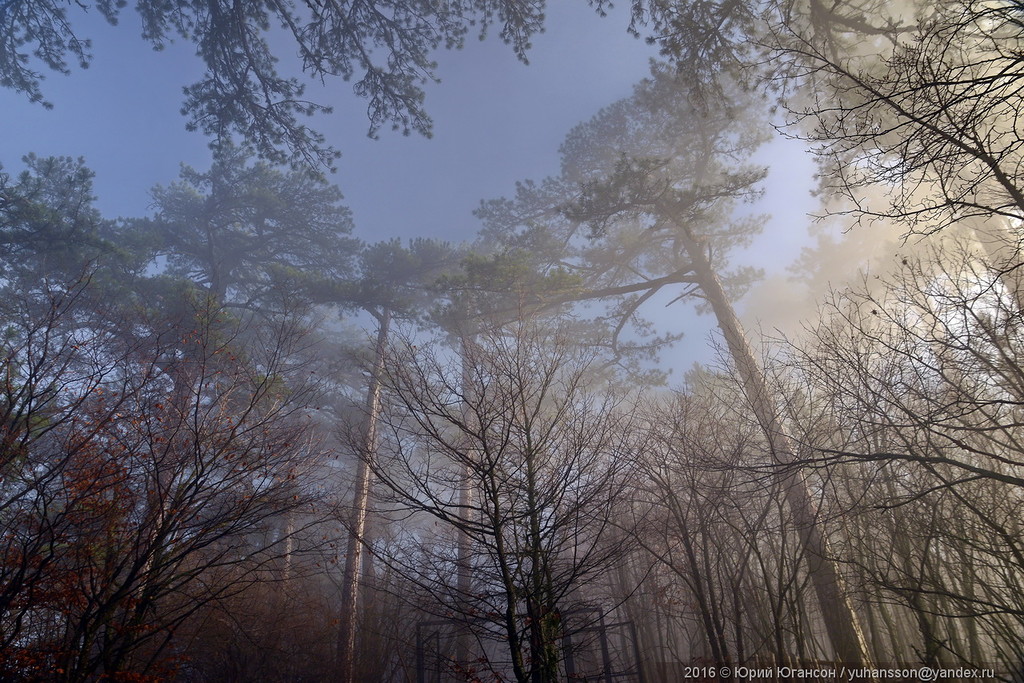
point(464, 580)
point(836, 611)
point(357, 523)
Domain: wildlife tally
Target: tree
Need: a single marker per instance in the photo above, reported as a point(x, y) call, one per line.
point(49, 228)
point(916, 394)
point(911, 108)
point(254, 235)
point(393, 284)
point(144, 476)
point(933, 114)
point(546, 458)
point(748, 39)
point(936, 351)
point(729, 574)
point(386, 46)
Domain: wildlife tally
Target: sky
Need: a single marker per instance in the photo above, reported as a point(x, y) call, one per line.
point(496, 121)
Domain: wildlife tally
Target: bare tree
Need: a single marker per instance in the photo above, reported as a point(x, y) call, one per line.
point(917, 389)
point(546, 458)
point(720, 528)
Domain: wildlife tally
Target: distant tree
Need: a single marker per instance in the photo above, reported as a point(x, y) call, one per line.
point(49, 228)
point(254, 235)
point(387, 47)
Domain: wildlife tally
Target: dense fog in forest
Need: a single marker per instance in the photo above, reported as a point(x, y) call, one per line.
point(658, 342)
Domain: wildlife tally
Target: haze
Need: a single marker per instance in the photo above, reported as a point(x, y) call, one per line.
point(686, 350)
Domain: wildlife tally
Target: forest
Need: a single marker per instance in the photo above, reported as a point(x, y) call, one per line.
point(239, 442)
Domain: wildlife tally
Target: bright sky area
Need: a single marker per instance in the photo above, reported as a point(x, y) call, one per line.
point(496, 121)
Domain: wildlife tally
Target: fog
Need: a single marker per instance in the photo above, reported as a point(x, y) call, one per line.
point(483, 340)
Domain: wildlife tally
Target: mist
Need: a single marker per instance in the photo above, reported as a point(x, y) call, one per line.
point(465, 341)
